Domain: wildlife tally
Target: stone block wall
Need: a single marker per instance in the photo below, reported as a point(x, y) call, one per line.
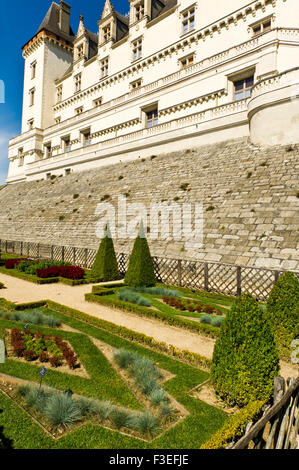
point(250, 199)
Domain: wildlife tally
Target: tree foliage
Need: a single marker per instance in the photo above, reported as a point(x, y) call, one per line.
point(245, 359)
point(105, 267)
point(140, 271)
point(283, 311)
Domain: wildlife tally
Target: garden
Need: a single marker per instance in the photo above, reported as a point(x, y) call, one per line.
point(130, 397)
point(105, 386)
point(44, 271)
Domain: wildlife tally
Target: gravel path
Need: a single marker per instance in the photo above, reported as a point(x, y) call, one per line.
point(20, 291)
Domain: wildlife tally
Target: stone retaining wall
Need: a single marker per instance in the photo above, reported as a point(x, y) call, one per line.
point(250, 197)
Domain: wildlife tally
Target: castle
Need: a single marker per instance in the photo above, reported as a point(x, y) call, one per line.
point(167, 77)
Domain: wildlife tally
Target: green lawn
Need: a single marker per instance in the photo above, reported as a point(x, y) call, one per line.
point(203, 421)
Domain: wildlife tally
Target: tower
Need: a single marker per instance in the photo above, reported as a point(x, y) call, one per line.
point(47, 56)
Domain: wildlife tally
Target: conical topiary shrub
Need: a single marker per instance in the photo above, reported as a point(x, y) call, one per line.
point(140, 271)
point(283, 312)
point(245, 359)
point(105, 267)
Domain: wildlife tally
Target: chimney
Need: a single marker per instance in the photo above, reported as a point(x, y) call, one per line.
point(64, 17)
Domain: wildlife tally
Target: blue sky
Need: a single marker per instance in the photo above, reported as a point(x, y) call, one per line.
point(19, 21)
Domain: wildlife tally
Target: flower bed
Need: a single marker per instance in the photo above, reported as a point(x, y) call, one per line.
point(46, 349)
point(68, 272)
point(191, 305)
point(44, 271)
point(12, 263)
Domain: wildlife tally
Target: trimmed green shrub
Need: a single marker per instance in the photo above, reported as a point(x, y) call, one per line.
point(105, 267)
point(140, 271)
point(245, 359)
point(129, 295)
point(283, 312)
point(235, 426)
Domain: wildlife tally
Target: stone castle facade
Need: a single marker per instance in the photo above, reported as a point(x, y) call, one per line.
point(167, 77)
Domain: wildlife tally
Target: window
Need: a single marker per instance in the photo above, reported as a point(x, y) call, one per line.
point(48, 150)
point(136, 84)
point(107, 33)
point(32, 96)
point(262, 27)
point(242, 88)
point(78, 82)
point(188, 20)
point(86, 138)
point(21, 156)
point(59, 94)
point(104, 67)
point(67, 144)
point(80, 51)
point(137, 49)
point(139, 11)
point(48, 176)
point(31, 124)
point(97, 102)
point(79, 110)
point(67, 171)
point(58, 120)
point(33, 70)
point(151, 118)
point(186, 61)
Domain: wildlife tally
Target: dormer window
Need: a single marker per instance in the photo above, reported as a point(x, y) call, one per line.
point(139, 11)
point(107, 33)
point(80, 51)
point(188, 20)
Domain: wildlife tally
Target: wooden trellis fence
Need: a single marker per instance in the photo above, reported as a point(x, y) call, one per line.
point(212, 277)
point(279, 426)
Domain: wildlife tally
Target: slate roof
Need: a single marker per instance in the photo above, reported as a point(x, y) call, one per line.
point(51, 24)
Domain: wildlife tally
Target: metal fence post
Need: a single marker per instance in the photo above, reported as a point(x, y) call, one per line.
point(62, 253)
point(239, 281)
point(74, 256)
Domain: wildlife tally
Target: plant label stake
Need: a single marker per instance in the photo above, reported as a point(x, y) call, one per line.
point(42, 374)
point(26, 326)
